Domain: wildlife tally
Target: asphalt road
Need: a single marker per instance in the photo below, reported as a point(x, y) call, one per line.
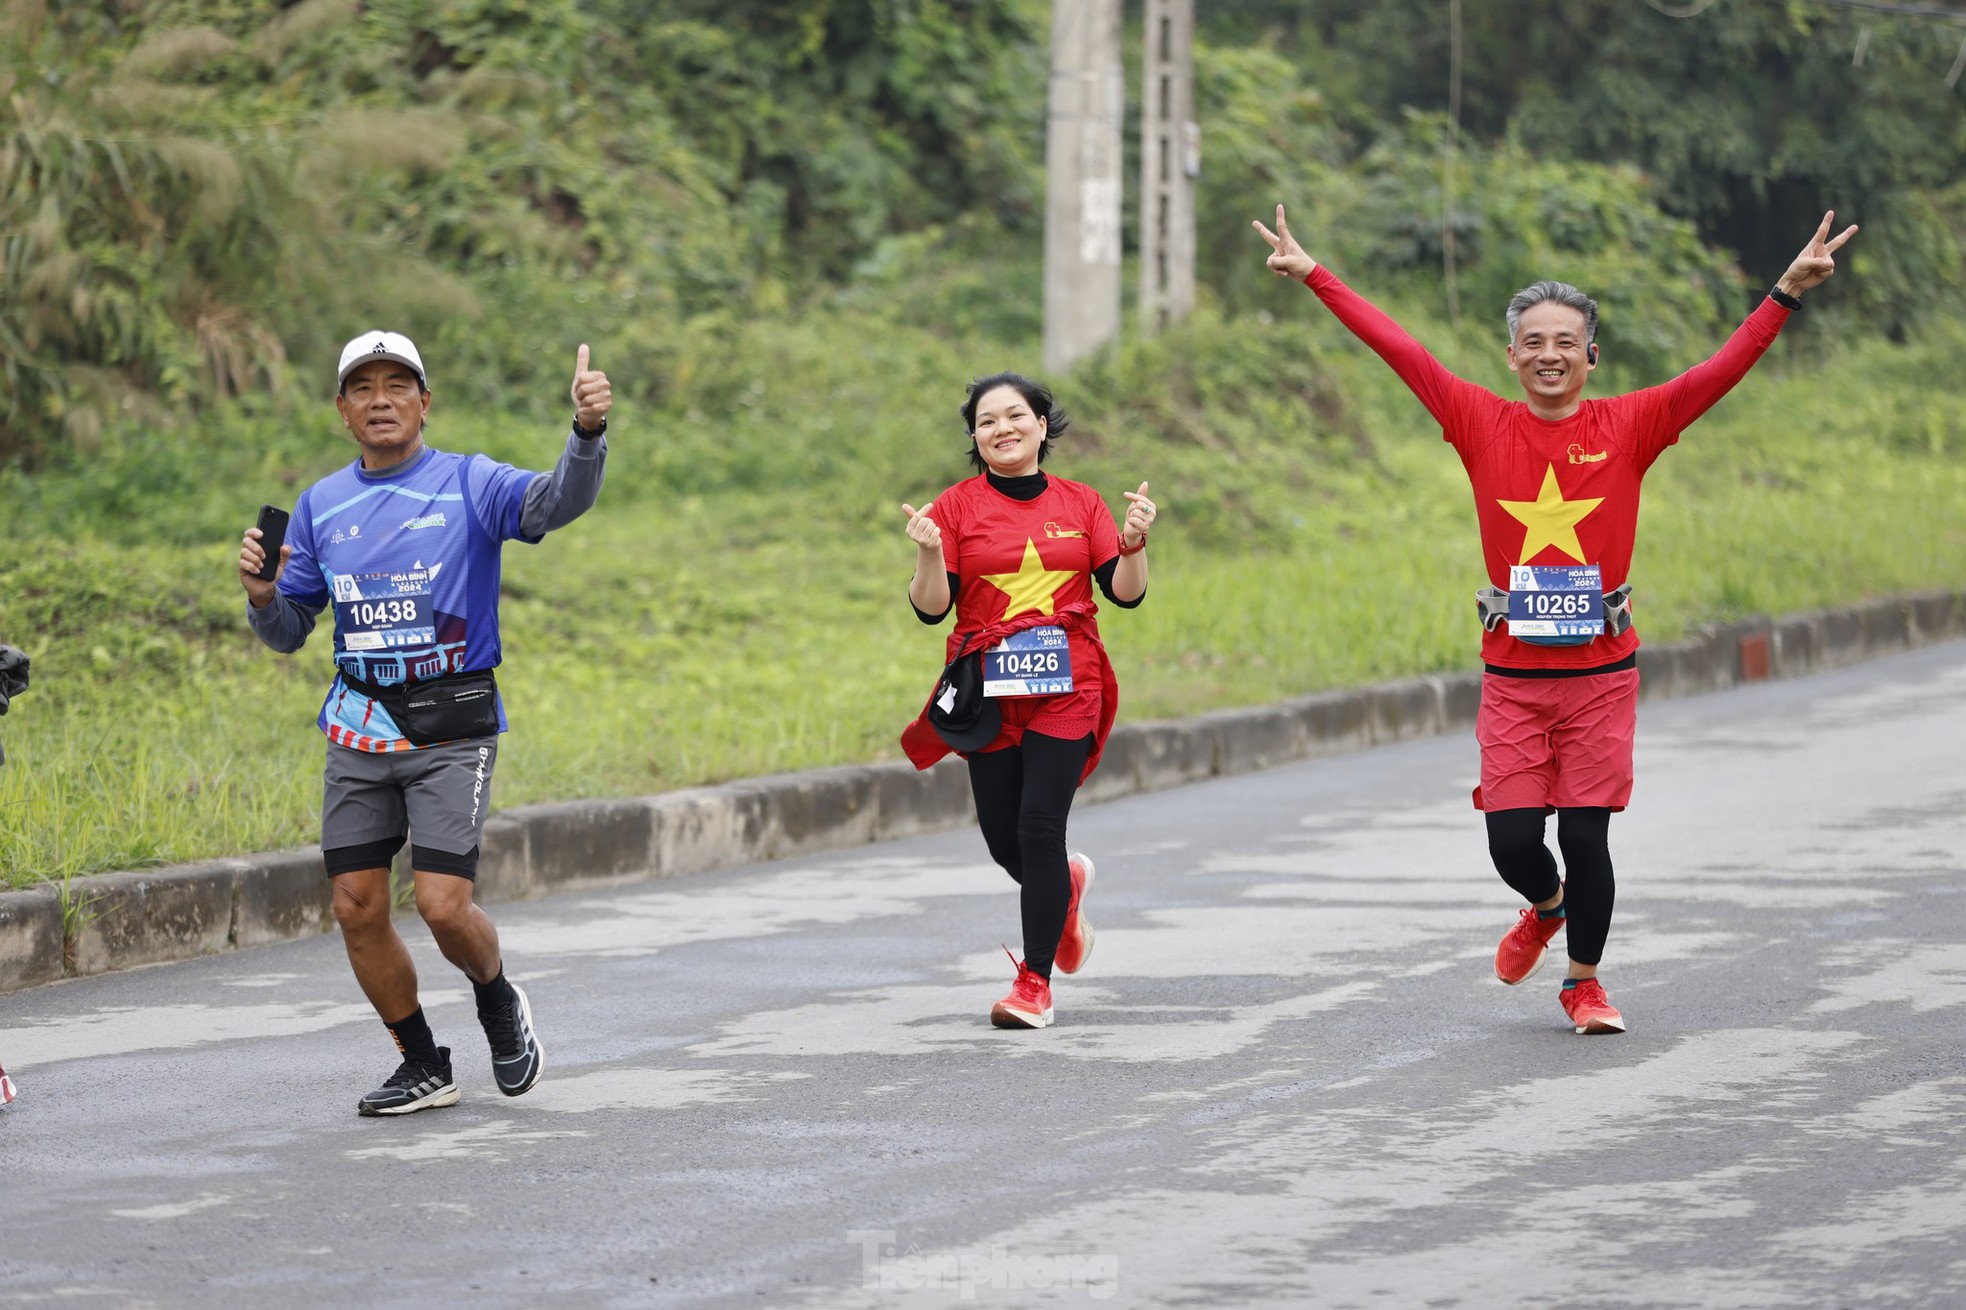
point(1286, 1077)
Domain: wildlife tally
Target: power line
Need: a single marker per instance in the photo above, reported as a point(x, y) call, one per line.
point(1694, 8)
point(1903, 10)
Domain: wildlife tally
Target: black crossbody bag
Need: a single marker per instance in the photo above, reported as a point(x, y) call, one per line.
point(452, 707)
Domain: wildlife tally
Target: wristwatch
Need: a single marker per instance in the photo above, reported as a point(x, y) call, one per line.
point(589, 434)
point(1783, 298)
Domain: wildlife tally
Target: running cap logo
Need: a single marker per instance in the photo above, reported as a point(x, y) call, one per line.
point(1577, 455)
point(371, 346)
point(1054, 532)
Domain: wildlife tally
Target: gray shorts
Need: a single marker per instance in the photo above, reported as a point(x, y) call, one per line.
point(436, 795)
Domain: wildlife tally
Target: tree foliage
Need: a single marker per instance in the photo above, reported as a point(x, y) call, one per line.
point(1751, 117)
point(197, 191)
point(201, 199)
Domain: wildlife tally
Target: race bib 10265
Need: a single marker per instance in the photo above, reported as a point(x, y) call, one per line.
point(1556, 600)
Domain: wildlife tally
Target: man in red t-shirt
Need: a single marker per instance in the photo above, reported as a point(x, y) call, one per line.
point(1556, 482)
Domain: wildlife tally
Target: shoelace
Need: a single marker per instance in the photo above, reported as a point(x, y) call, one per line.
point(1030, 990)
point(1532, 921)
point(502, 1028)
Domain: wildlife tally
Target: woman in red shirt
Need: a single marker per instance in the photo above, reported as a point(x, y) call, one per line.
point(1015, 552)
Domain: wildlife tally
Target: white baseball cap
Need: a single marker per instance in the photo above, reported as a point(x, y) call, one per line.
point(371, 346)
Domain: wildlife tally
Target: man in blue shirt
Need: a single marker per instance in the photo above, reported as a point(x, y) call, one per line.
point(405, 544)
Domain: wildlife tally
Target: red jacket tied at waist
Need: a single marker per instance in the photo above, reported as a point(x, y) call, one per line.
point(923, 747)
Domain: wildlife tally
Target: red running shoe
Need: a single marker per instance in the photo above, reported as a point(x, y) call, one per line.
point(1523, 946)
point(1029, 1002)
point(7, 1089)
point(1590, 1009)
point(1075, 943)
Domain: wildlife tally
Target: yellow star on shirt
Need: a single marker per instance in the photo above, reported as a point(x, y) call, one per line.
point(1551, 520)
point(1032, 586)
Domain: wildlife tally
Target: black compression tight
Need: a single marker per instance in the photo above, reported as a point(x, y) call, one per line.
point(1515, 843)
point(1023, 797)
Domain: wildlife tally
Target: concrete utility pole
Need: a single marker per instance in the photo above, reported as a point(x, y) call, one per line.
point(1170, 160)
point(1082, 181)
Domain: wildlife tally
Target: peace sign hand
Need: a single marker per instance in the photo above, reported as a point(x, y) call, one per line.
point(593, 396)
point(1287, 258)
point(1140, 516)
point(922, 529)
point(1817, 261)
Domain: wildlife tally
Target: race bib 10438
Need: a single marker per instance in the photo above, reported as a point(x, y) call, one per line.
point(1556, 600)
point(384, 611)
point(1034, 662)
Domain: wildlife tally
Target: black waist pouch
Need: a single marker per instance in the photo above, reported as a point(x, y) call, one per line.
point(450, 708)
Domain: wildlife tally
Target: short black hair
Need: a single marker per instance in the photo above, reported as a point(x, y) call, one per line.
point(1035, 394)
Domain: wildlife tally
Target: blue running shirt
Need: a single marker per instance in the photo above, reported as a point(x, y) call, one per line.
point(410, 560)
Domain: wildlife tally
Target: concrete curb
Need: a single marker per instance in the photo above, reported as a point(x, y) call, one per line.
point(125, 919)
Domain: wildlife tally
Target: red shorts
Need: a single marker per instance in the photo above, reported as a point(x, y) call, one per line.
point(1556, 742)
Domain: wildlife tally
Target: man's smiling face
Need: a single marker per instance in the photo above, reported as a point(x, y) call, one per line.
point(1550, 353)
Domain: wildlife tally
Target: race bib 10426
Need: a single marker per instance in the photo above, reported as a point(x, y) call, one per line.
point(1034, 662)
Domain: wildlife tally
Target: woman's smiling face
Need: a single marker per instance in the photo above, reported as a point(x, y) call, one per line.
point(1008, 434)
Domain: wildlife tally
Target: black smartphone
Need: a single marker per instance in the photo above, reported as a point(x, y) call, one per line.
point(272, 535)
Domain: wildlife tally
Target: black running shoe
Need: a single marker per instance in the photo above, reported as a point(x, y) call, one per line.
point(516, 1057)
point(414, 1086)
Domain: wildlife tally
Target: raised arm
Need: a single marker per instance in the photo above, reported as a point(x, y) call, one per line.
point(928, 590)
point(563, 495)
point(1699, 388)
point(1424, 375)
point(1129, 580)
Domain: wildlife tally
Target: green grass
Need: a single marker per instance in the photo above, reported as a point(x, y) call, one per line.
point(736, 603)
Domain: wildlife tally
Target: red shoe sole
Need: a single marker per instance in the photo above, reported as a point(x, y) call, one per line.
point(1073, 953)
point(1599, 1026)
point(1073, 961)
point(1004, 1017)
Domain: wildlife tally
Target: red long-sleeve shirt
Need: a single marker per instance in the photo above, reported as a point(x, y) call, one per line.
point(1563, 492)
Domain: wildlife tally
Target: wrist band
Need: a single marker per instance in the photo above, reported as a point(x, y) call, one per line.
point(1133, 550)
point(1784, 299)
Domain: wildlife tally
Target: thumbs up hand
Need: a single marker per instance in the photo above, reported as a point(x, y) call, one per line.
point(592, 395)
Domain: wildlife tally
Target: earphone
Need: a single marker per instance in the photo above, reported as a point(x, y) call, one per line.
point(1590, 352)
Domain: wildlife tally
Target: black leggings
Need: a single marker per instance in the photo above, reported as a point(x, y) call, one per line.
point(1023, 797)
point(1515, 843)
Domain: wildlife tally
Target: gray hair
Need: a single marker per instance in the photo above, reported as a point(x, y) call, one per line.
point(1563, 294)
